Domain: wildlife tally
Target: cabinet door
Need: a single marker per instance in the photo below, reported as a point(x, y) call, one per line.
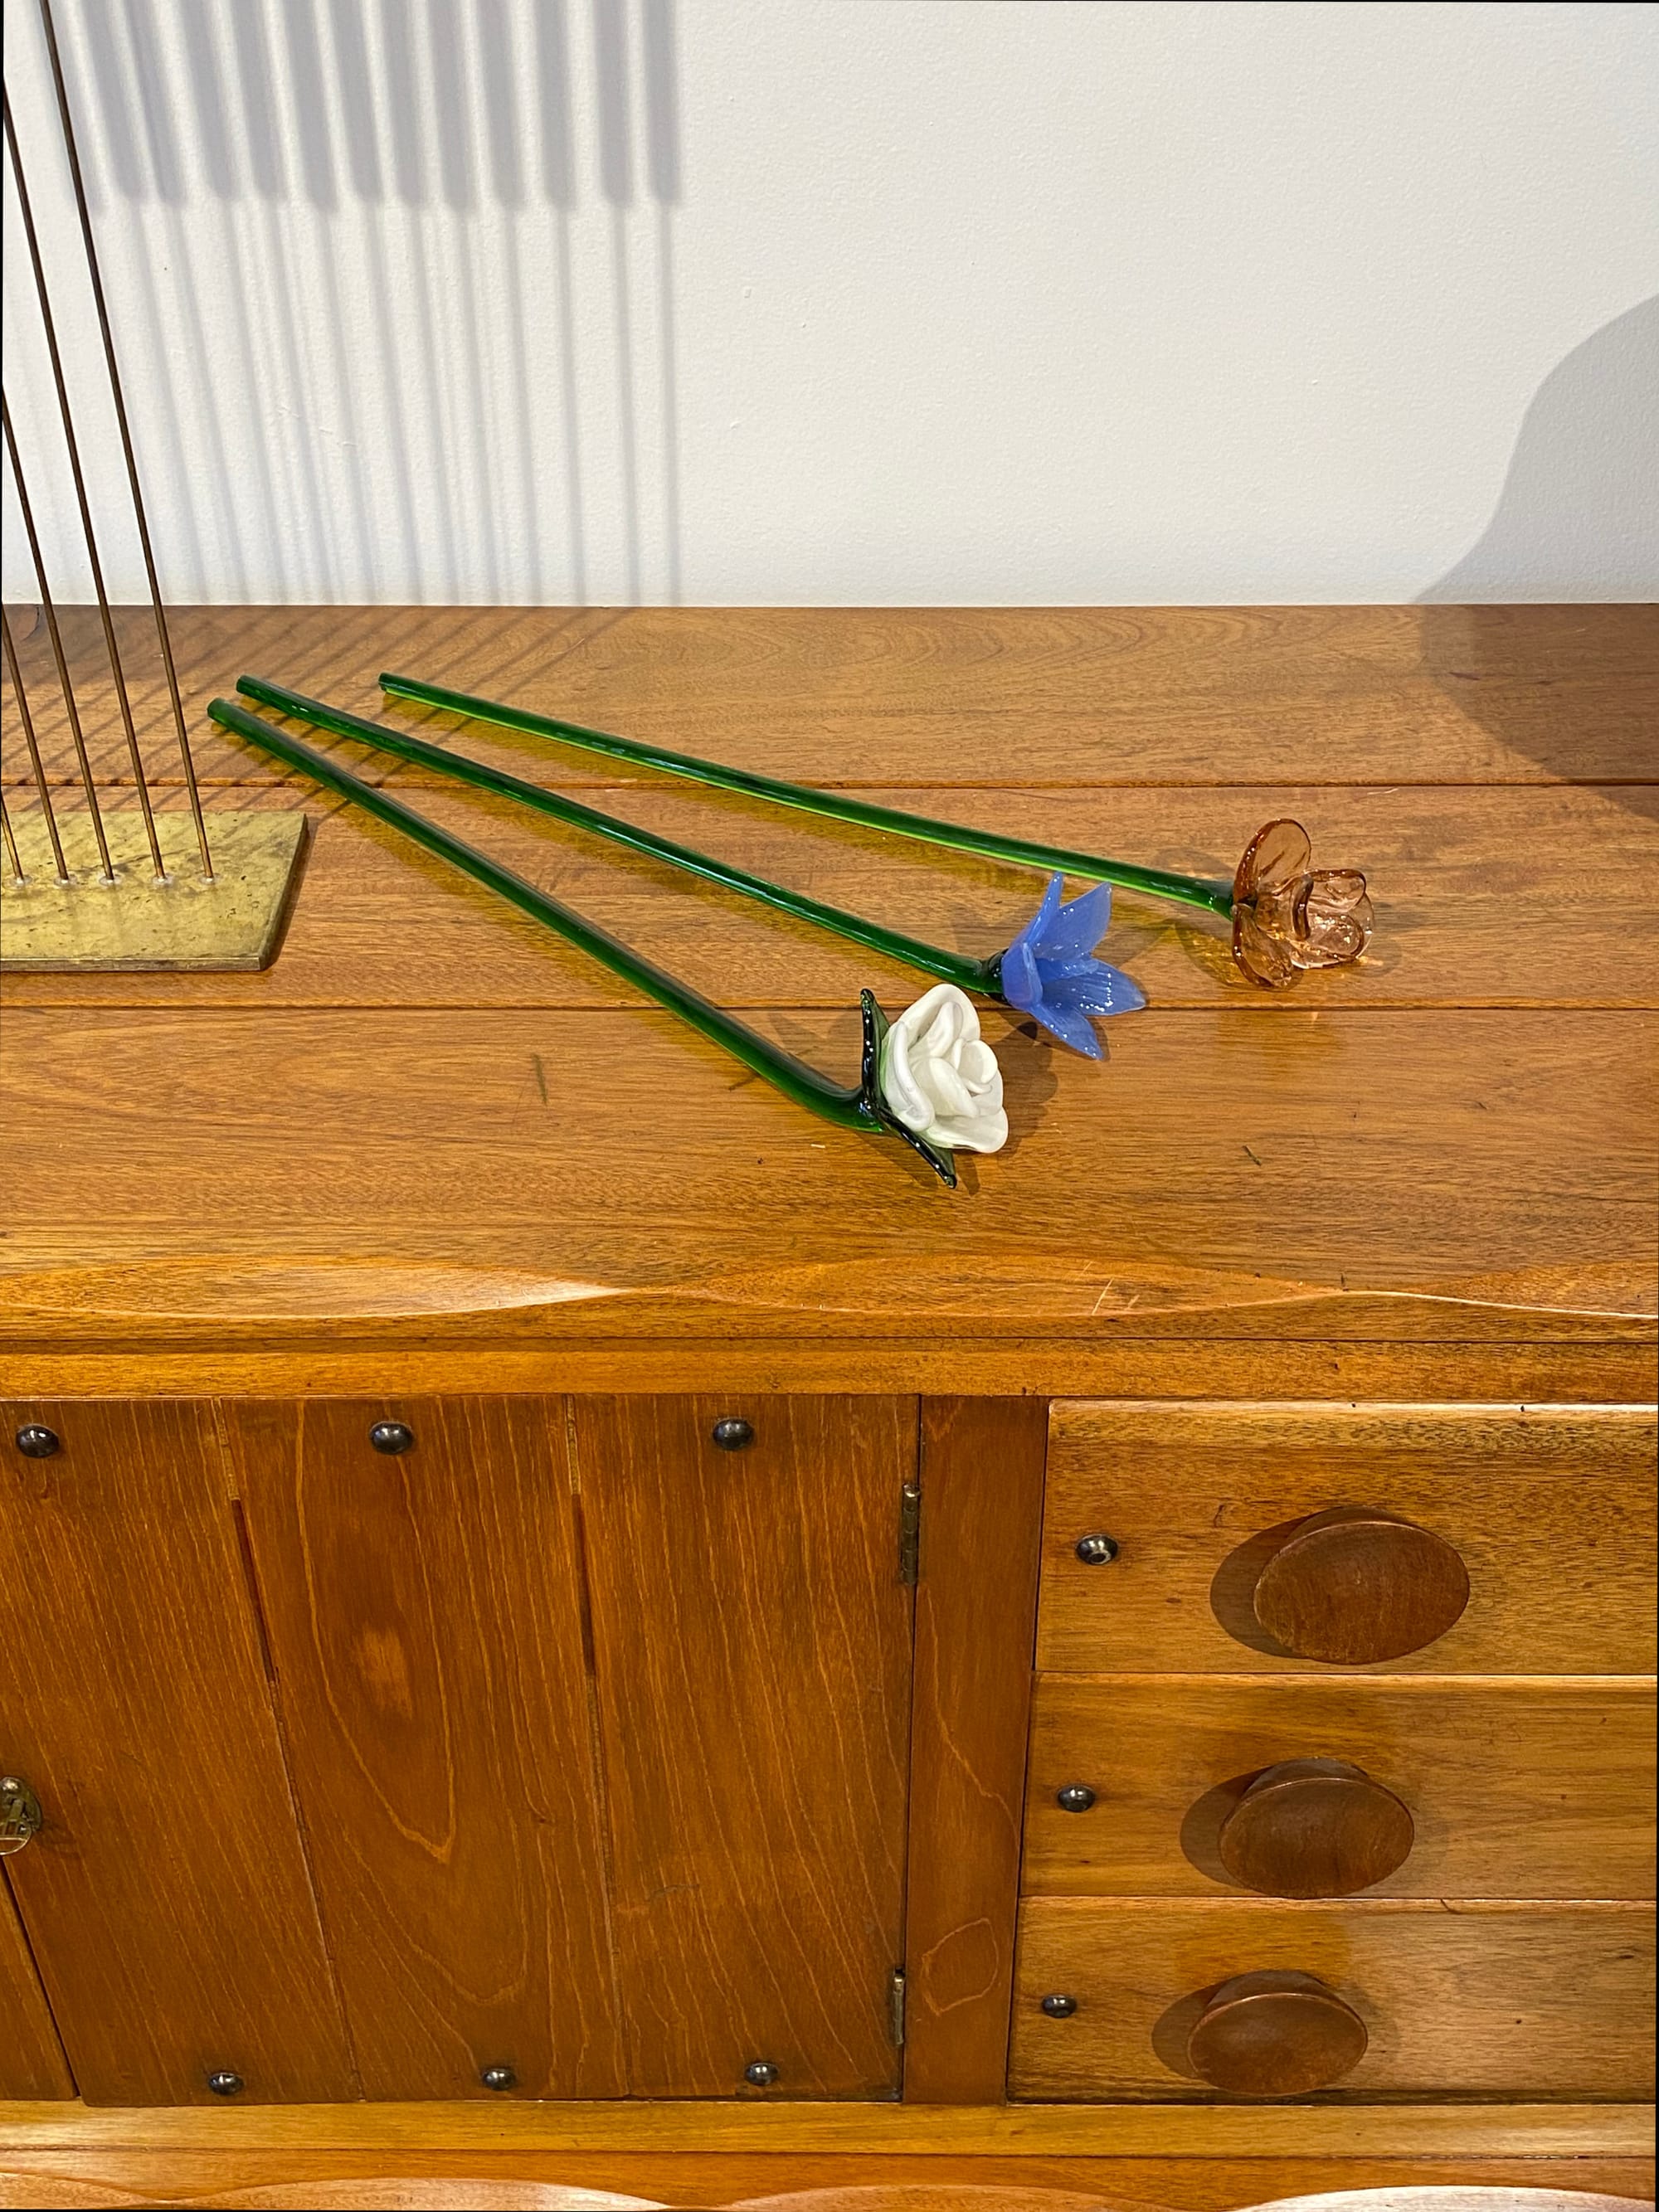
point(424, 1607)
point(166, 1898)
point(752, 1636)
point(32, 2062)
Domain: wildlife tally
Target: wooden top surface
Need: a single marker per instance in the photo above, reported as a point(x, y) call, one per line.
point(431, 1120)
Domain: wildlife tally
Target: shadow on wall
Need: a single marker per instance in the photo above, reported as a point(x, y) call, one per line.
point(435, 107)
point(1581, 501)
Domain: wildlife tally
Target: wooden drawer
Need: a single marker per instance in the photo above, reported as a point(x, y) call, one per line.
point(1485, 2001)
point(1549, 1512)
point(1530, 1789)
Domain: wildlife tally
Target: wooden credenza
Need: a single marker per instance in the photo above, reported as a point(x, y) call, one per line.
point(536, 1571)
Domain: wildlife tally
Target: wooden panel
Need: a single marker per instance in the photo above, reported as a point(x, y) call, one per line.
point(1067, 696)
point(167, 1898)
point(982, 1489)
point(32, 2062)
point(381, 924)
point(532, 1173)
point(1521, 2002)
point(755, 2126)
point(424, 1612)
point(1531, 1790)
point(1551, 1508)
point(1135, 1367)
point(752, 1639)
point(694, 2178)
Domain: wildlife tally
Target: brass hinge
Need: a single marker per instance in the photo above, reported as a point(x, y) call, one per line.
point(895, 2007)
point(20, 1816)
point(910, 1533)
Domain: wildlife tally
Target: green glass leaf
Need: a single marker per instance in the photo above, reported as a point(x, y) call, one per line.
point(876, 1026)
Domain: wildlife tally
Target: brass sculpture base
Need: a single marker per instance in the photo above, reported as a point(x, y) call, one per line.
point(235, 921)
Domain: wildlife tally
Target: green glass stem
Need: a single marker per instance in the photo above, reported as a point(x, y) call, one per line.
point(1215, 898)
point(855, 1107)
point(958, 967)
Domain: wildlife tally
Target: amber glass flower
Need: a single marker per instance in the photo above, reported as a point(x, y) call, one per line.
point(1287, 915)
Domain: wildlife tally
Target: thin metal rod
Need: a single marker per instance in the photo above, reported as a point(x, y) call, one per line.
point(49, 330)
point(139, 515)
point(51, 614)
point(24, 716)
point(11, 841)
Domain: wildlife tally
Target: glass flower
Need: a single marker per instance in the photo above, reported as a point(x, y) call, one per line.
point(938, 1077)
point(1288, 915)
point(1050, 971)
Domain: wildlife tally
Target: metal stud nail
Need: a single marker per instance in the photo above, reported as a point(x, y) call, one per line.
point(1058, 2008)
point(1096, 1551)
point(391, 1437)
point(224, 2083)
point(35, 1441)
point(499, 2077)
point(731, 1434)
point(1075, 1797)
point(760, 2074)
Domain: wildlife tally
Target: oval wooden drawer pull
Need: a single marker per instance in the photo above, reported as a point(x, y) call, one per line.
point(1352, 1586)
point(1276, 2035)
point(1315, 1827)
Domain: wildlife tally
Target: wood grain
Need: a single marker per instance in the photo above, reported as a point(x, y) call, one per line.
point(1459, 877)
point(1587, 1373)
point(31, 2060)
point(1472, 2196)
point(713, 2178)
point(752, 1639)
point(760, 2128)
point(1516, 1789)
point(1313, 1828)
point(448, 2192)
point(167, 1898)
point(1435, 695)
point(454, 2193)
point(1510, 2002)
point(1221, 1173)
point(49, 2193)
point(424, 1615)
point(931, 2197)
point(1275, 2035)
point(1551, 1508)
point(1356, 1587)
point(981, 1488)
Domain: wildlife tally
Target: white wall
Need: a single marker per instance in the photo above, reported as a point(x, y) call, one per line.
point(863, 300)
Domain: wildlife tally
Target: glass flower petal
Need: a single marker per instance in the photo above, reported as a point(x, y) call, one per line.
point(1050, 971)
point(1288, 915)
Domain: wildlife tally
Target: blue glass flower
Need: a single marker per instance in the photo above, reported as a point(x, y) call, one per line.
point(1050, 971)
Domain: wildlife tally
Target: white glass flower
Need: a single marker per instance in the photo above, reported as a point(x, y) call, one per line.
point(941, 1078)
